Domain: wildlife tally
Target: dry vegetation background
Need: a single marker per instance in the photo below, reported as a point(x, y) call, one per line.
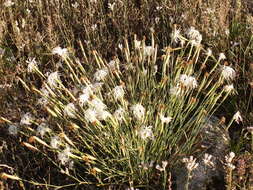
point(32, 28)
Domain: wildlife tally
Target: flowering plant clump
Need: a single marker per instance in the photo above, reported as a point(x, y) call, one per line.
point(105, 120)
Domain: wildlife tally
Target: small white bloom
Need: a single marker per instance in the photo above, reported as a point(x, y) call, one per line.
point(118, 92)
point(42, 129)
point(64, 155)
point(164, 165)
point(137, 44)
point(188, 81)
point(32, 65)
point(8, 3)
point(63, 52)
point(94, 27)
point(75, 5)
point(190, 163)
point(90, 115)
point(222, 56)
point(102, 115)
point(119, 114)
point(83, 99)
point(207, 160)
point(53, 79)
point(146, 132)
point(120, 46)
point(230, 157)
point(27, 119)
point(55, 142)
point(194, 36)
point(111, 6)
point(228, 73)
point(165, 119)
point(229, 88)
point(13, 130)
point(97, 104)
point(101, 74)
point(138, 111)
point(237, 117)
point(209, 52)
point(70, 110)
point(175, 35)
point(148, 51)
point(96, 87)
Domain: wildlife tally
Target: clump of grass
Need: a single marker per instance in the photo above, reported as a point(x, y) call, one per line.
point(127, 120)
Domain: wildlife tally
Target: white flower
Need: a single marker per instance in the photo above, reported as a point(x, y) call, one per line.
point(101, 74)
point(209, 52)
point(165, 119)
point(207, 160)
point(138, 111)
point(64, 155)
point(148, 51)
point(111, 6)
point(190, 163)
point(90, 115)
point(228, 73)
point(194, 36)
point(13, 130)
point(188, 81)
point(8, 3)
point(63, 52)
point(164, 164)
point(102, 114)
point(27, 119)
point(32, 65)
point(94, 27)
point(146, 132)
point(97, 104)
point(83, 99)
point(230, 157)
point(75, 5)
point(55, 142)
point(175, 35)
point(237, 117)
point(229, 88)
point(120, 46)
point(137, 44)
point(42, 129)
point(119, 114)
point(53, 79)
point(118, 92)
point(222, 56)
point(70, 110)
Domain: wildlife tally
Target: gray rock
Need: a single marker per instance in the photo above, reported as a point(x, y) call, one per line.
point(214, 141)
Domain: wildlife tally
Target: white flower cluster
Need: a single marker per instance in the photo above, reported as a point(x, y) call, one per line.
point(119, 114)
point(13, 130)
point(96, 111)
point(42, 129)
point(138, 111)
point(101, 74)
point(188, 81)
point(64, 156)
point(228, 73)
point(194, 36)
point(190, 163)
point(63, 52)
point(146, 132)
point(32, 65)
point(27, 119)
point(118, 92)
point(53, 79)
